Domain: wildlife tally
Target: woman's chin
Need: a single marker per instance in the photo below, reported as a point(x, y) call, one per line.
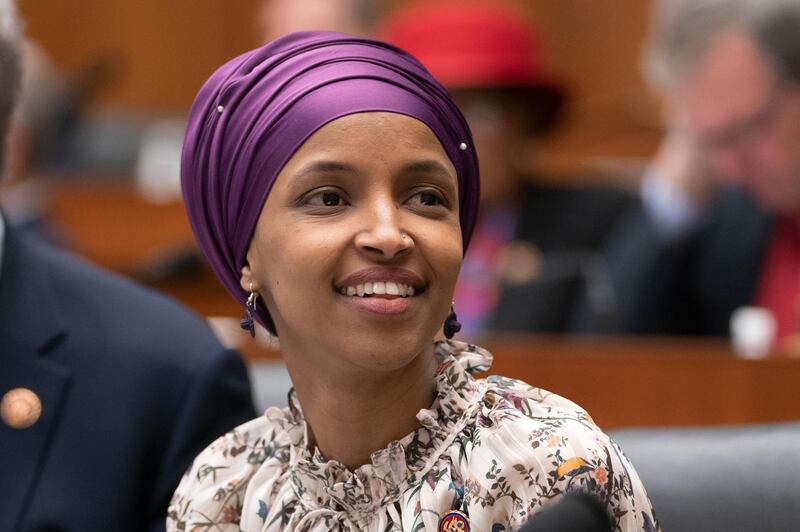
point(382, 350)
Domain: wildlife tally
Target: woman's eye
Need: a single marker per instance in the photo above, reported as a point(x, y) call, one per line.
point(429, 198)
point(331, 199)
point(326, 198)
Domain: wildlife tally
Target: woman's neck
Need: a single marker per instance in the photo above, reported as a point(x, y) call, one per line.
point(352, 414)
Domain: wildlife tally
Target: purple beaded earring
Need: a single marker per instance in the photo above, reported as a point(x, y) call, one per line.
point(248, 323)
point(451, 325)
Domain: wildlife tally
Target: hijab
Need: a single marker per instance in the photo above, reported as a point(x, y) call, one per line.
point(256, 111)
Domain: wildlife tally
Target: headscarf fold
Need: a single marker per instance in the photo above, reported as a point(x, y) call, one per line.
point(256, 111)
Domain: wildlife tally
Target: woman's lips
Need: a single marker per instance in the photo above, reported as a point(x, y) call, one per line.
point(378, 288)
point(379, 277)
point(382, 304)
point(382, 290)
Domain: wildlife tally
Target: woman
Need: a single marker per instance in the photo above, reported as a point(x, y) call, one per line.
point(331, 183)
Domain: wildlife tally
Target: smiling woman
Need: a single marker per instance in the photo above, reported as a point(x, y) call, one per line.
point(368, 205)
point(332, 186)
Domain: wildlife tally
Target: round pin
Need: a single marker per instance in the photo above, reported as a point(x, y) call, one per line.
point(454, 521)
point(220, 108)
point(462, 146)
point(20, 408)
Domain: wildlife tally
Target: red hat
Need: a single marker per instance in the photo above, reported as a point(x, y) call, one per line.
point(470, 43)
point(476, 44)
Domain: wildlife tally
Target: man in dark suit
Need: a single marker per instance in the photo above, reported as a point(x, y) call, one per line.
point(107, 390)
point(719, 225)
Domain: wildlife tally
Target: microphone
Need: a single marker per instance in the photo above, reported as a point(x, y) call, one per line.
point(575, 512)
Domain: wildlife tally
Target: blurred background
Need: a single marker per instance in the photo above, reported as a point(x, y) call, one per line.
point(94, 154)
point(146, 59)
point(94, 166)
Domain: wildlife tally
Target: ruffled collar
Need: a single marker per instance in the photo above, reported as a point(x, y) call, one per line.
point(329, 488)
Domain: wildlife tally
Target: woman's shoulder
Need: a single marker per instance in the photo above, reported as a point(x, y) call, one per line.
point(212, 489)
point(503, 393)
point(513, 413)
point(542, 428)
point(540, 445)
point(462, 361)
point(241, 444)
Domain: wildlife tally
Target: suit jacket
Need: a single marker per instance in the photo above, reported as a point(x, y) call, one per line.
point(690, 286)
point(132, 387)
point(569, 226)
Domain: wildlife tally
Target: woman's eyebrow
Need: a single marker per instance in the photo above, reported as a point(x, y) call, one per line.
point(320, 167)
point(427, 166)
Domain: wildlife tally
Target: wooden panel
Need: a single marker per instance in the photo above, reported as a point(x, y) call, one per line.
point(611, 115)
point(627, 381)
point(163, 51)
point(113, 226)
point(655, 381)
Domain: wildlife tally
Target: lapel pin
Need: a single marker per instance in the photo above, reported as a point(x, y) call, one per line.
point(20, 408)
point(454, 521)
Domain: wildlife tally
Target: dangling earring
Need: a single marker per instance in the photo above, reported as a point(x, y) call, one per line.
point(247, 322)
point(451, 325)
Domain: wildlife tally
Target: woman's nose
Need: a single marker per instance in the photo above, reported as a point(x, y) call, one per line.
point(382, 235)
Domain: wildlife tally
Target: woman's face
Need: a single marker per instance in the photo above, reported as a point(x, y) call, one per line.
point(358, 246)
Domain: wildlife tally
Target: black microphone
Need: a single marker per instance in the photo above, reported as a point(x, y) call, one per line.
point(575, 512)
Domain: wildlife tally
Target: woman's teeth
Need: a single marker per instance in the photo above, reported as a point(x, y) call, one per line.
point(380, 287)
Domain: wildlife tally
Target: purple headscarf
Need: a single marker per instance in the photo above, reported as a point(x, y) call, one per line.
point(256, 111)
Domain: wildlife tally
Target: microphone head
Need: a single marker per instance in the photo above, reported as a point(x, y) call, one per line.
point(575, 512)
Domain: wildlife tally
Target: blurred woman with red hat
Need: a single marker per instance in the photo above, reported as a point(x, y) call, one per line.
point(534, 264)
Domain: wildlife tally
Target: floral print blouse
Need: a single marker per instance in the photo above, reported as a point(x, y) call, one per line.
point(496, 449)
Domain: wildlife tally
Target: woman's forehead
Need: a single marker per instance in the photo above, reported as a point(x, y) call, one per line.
point(402, 126)
point(391, 136)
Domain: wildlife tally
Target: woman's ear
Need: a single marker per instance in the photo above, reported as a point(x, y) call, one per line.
point(246, 280)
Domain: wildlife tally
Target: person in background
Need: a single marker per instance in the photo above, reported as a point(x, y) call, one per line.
point(107, 390)
point(534, 256)
point(719, 225)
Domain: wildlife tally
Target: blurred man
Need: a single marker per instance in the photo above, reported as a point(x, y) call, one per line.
point(533, 255)
point(107, 390)
point(720, 227)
